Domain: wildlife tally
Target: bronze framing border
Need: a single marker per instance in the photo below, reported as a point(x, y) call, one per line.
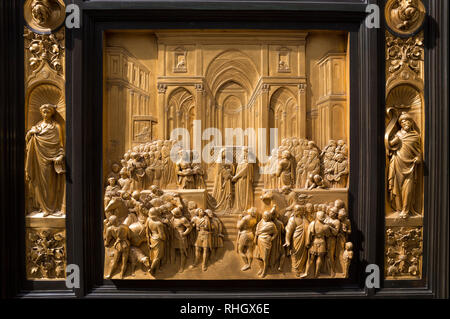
point(82, 57)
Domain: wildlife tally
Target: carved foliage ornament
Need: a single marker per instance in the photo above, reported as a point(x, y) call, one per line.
point(404, 53)
point(44, 16)
point(404, 17)
point(45, 48)
point(403, 251)
point(46, 253)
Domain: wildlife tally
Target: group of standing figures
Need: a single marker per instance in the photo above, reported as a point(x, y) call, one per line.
point(151, 164)
point(155, 228)
point(314, 236)
point(300, 163)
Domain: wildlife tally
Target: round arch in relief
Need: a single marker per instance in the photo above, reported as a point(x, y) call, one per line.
point(283, 113)
point(181, 110)
point(407, 97)
point(232, 65)
point(44, 93)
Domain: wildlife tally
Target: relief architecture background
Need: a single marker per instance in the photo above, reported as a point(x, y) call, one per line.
point(45, 117)
point(169, 216)
point(404, 139)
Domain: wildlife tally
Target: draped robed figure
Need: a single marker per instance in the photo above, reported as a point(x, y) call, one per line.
point(244, 184)
point(406, 156)
point(44, 164)
point(222, 190)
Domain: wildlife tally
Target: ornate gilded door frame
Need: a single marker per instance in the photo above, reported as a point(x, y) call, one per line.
point(82, 77)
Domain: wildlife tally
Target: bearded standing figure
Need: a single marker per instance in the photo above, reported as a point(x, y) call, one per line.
point(44, 164)
point(296, 239)
point(405, 157)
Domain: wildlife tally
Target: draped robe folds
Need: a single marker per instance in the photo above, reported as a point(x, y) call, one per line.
point(222, 185)
point(264, 232)
point(244, 186)
point(402, 170)
point(277, 244)
point(299, 252)
point(46, 178)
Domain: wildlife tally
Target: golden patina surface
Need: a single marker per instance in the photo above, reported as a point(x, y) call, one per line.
point(404, 140)
point(45, 115)
point(240, 210)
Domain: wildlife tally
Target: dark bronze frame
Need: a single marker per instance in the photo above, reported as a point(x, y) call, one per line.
point(84, 89)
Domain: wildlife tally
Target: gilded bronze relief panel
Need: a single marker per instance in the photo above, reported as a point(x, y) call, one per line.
point(45, 139)
point(404, 138)
point(226, 155)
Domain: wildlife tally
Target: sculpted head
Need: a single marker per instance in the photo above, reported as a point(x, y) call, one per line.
point(333, 212)
point(286, 155)
point(153, 212)
point(339, 203)
point(47, 111)
point(407, 9)
point(111, 181)
point(406, 121)
point(123, 173)
point(115, 168)
point(113, 220)
point(342, 215)
point(320, 216)
point(41, 11)
point(200, 212)
point(209, 212)
point(267, 216)
point(136, 195)
point(176, 212)
point(251, 211)
point(348, 246)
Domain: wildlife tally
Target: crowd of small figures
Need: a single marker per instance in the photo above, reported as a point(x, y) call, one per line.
point(150, 164)
point(146, 225)
point(300, 163)
point(155, 228)
point(296, 163)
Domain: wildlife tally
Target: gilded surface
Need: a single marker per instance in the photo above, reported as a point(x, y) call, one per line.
point(404, 17)
point(233, 211)
point(404, 140)
point(44, 16)
point(46, 253)
point(45, 167)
